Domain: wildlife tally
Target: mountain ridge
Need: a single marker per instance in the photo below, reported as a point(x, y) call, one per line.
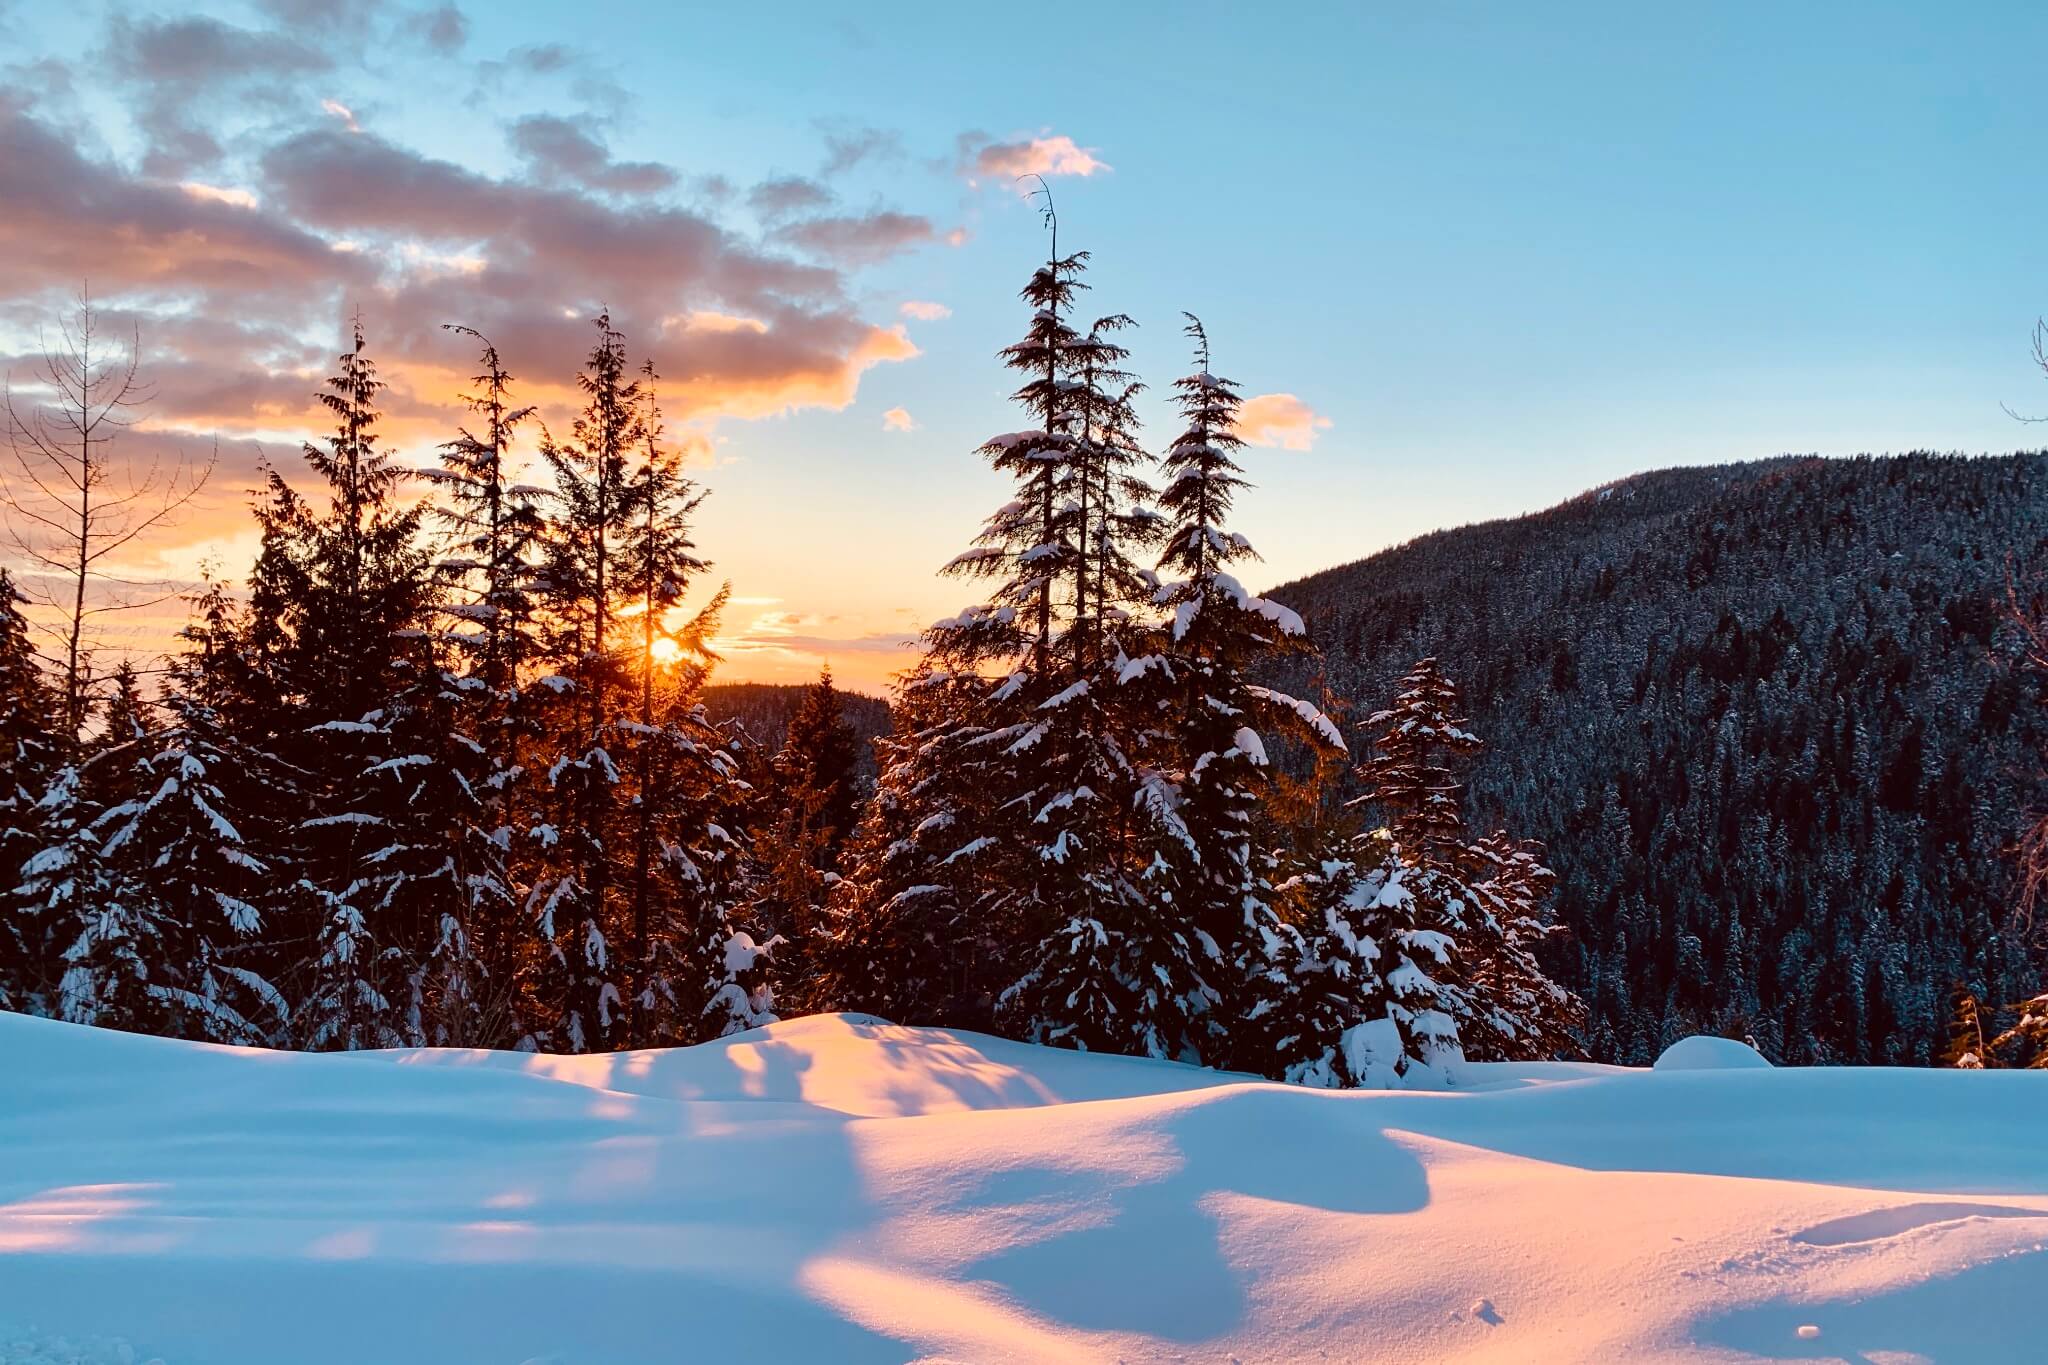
point(1754, 712)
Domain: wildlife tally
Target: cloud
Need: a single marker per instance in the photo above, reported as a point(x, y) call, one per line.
point(898, 419)
point(795, 632)
point(925, 312)
point(69, 218)
point(863, 240)
point(559, 149)
point(240, 231)
point(445, 28)
point(1046, 155)
point(847, 148)
point(180, 71)
point(1281, 420)
point(219, 194)
point(786, 196)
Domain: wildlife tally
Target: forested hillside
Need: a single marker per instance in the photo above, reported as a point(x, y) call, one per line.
point(1756, 714)
point(764, 711)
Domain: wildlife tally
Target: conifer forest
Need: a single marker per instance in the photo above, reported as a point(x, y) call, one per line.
point(444, 771)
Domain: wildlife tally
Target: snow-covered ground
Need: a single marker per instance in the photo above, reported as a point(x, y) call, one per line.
point(834, 1189)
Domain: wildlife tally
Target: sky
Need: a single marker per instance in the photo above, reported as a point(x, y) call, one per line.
point(1468, 260)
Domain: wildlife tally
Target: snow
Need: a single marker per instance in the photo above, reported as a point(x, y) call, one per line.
point(1702, 1053)
point(837, 1188)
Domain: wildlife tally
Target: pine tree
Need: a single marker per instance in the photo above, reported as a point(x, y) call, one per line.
point(1522, 1014)
point(816, 768)
point(469, 714)
point(685, 803)
point(951, 866)
point(1410, 781)
point(1211, 723)
point(86, 959)
point(1078, 820)
point(338, 616)
point(802, 821)
point(186, 881)
point(29, 716)
point(918, 928)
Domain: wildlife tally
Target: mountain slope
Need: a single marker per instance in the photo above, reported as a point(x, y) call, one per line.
point(1754, 711)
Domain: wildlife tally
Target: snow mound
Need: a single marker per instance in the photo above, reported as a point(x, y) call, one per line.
point(1702, 1052)
point(840, 1188)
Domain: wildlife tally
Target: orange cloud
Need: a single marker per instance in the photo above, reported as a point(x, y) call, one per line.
point(1047, 155)
point(1281, 420)
point(898, 419)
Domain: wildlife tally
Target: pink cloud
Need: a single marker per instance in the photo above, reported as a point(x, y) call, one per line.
point(1047, 155)
point(1281, 420)
point(924, 311)
point(898, 419)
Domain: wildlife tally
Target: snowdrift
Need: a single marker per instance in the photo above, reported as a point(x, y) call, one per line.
point(839, 1189)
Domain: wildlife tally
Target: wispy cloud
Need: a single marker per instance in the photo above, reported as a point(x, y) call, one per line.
point(924, 311)
point(898, 419)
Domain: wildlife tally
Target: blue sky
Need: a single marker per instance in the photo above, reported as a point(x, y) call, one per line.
point(1503, 252)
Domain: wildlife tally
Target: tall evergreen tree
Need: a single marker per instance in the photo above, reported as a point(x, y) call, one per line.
point(469, 713)
point(340, 597)
point(685, 803)
point(1196, 678)
point(583, 975)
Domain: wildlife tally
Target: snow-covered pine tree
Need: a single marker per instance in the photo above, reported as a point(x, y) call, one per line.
point(581, 980)
point(947, 873)
point(29, 720)
point(470, 715)
point(100, 945)
point(187, 880)
point(917, 928)
point(1408, 775)
point(90, 958)
point(1107, 962)
point(1409, 782)
point(1477, 908)
point(125, 714)
point(1519, 1013)
point(340, 603)
point(683, 847)
point(1209, 725)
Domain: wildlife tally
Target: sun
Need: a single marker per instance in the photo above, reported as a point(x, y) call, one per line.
point(665, 651)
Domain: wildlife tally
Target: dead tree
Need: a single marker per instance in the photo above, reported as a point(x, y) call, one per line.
point(72, 507)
